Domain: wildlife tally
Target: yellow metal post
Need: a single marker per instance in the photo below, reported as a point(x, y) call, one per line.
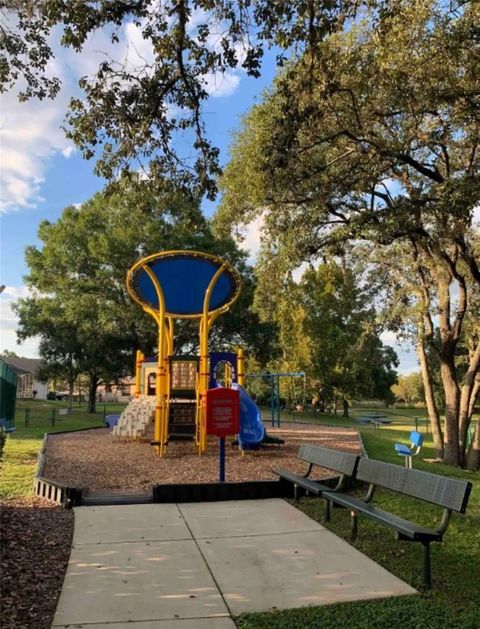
point(138, 372)
point(159, 434)
point(205, 323)
point(241, 366)
point(228, 375)
point(169, 331)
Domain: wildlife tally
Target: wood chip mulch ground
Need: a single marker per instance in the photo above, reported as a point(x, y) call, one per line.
point(94, 459)
point(35, 547)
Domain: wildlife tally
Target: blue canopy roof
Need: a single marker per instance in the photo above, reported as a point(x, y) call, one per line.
point(184, 277)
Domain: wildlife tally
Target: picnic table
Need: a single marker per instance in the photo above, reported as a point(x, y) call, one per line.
point(376, 419)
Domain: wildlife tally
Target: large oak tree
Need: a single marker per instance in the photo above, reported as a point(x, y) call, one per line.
point(372, 138)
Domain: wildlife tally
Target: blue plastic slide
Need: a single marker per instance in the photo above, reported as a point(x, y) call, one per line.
point(252, 430)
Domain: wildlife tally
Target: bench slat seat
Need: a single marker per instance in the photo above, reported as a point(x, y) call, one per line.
point(404, 527)
point(344, 463)
point(314, 487)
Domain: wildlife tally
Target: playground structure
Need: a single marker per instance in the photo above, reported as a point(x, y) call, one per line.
point(170, 391)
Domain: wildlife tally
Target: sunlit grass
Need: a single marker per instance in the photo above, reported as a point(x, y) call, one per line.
point(20, 453)
point(18, 467)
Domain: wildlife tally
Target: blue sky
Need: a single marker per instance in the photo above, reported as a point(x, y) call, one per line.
point(41, 172)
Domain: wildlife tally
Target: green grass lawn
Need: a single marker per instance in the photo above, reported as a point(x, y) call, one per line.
point(454, 601)
point(22, 446)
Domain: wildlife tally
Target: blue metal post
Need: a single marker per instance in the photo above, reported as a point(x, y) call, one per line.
point(222, 459)
point(278, 400)
point(272, 399)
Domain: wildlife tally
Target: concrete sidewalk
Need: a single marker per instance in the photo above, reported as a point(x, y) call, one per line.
point(197, 565)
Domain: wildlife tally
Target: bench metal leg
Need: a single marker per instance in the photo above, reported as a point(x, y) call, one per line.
point(327, 511)
point(427, 576)
point(295, 492)
point(354, 524)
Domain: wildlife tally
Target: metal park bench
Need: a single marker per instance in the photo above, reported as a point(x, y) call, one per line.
point(449, 493)
point(344, 463)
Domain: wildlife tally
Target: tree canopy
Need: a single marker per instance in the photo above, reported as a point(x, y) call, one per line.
point(328, 329)
point(372, 141)
point(129, 112)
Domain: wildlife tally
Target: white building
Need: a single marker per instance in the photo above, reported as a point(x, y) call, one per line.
point(27, 377)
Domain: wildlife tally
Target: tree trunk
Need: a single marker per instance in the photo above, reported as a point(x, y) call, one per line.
point(432, 409)
point(452, 406)
point(473, 454)
point(474, 396)
point(334, 404)
point(346, 406)
point(92, 393)
point(470, 387)
point(450, 334)
point(71, 386)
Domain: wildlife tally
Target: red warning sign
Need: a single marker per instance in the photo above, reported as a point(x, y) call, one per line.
point(223, 412)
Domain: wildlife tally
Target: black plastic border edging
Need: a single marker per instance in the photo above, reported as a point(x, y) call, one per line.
point(61, 494)
point(210, 492)
point(67, 432)
point(51, 490)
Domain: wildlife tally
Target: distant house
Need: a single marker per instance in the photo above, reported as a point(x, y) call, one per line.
point(27, 377)
point(122, 391)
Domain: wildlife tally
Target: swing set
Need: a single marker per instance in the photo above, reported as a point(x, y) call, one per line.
point(274, 382)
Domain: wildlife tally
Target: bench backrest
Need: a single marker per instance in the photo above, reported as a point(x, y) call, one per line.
point(342, 462)
point(449, 493)
point(416, 439)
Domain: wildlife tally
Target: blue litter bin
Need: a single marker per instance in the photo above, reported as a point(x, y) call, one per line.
point(111, 420)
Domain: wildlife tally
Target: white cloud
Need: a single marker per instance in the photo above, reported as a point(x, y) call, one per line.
point(252, 238)
point(138, 50)
point(8, 324)
point(30, 135)
point(299, 271)
point(15, 292)
point(389, 338)
point(68, 151)
point(7, 316)
point(220, 85)
point(476, 217)
point(8, 341)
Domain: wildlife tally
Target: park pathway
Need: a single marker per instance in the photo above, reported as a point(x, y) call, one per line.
point(199, 565)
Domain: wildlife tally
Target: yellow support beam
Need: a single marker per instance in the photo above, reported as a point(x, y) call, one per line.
point(205, 323)
point(241, 366)
point(160, 390)
point(138, 372)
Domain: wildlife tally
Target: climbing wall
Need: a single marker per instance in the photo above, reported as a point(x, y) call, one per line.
point(137, 420)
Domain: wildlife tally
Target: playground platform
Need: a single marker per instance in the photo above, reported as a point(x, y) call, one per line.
point(179, 566)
